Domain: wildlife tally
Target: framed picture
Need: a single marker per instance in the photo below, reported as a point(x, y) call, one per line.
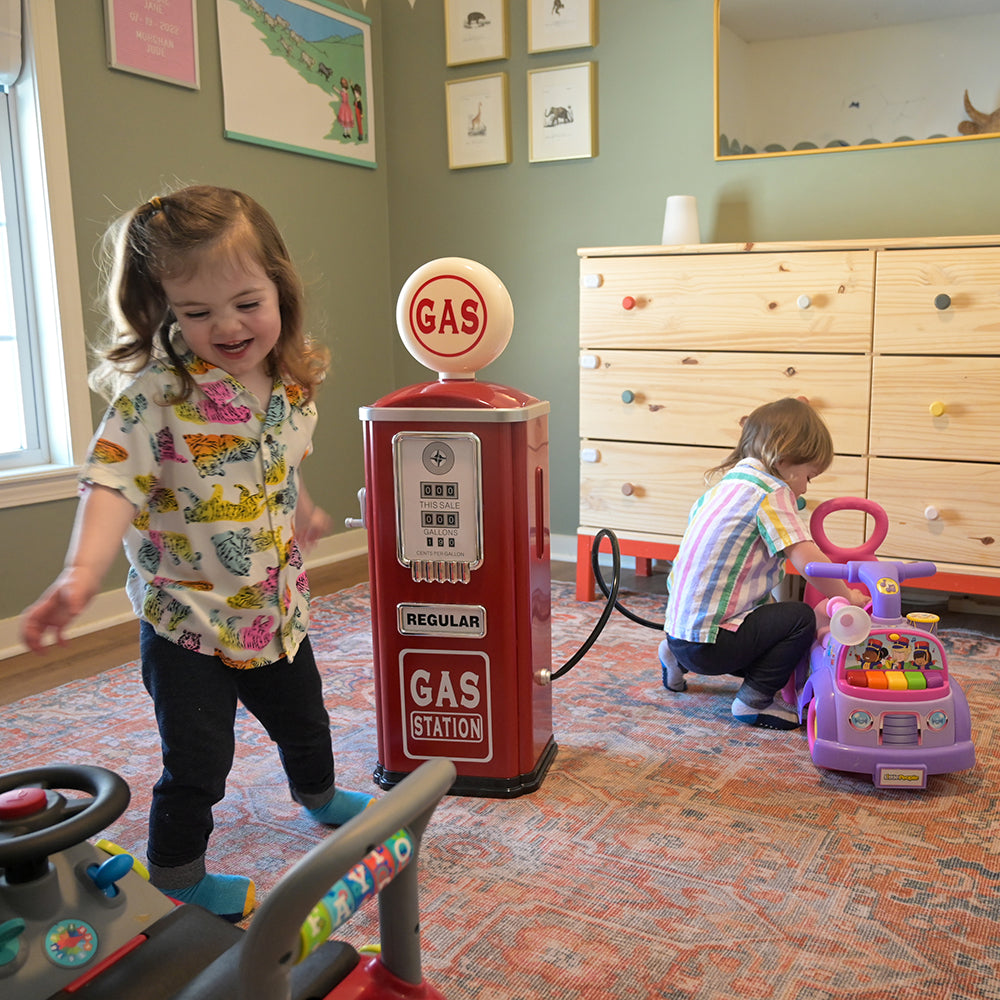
point(475, 31)
point(158, 40)
point(478, 121)
point(561, 24)
point(562, 112)
point(297, 75)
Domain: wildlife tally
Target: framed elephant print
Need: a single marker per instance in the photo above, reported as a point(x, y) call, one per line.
point(562, 112)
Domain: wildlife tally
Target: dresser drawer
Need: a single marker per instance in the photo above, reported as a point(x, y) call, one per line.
point(963, 495)
point(934, 407)
point(694, 397)
point(650, 488)
point(929, 301)
point(818, 301)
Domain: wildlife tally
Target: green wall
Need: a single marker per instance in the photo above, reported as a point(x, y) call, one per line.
point(655, 79)
point(357, 234)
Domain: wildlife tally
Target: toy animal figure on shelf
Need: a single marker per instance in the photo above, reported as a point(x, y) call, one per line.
point(878, 697)
point(978, 122)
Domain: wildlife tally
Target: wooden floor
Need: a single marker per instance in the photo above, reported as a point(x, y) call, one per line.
point(87, 655)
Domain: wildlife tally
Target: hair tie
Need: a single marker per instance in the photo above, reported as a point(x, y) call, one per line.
point(151, 207)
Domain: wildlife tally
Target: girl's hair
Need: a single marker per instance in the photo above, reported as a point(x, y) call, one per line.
point(166, 238)
point(788, 430)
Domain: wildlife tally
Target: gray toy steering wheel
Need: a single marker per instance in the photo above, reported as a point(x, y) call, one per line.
point(62, 822)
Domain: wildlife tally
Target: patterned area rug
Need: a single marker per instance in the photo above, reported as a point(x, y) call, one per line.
point(670, 852)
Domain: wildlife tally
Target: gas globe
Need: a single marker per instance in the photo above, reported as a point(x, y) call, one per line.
point(454, 316)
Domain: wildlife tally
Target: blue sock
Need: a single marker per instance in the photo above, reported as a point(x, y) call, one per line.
point(231, 897)
point(343, 806)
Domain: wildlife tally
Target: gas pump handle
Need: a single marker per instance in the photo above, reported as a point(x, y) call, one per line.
point(357, 522)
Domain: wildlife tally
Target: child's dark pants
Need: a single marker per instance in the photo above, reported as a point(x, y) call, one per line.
point(195, 698)
point(764, 650)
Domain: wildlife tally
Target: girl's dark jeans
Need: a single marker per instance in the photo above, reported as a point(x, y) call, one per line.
point(195, 698)
point(764, 650)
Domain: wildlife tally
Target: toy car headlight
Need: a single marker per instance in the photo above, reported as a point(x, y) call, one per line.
point(861, 720)
point(937, 720)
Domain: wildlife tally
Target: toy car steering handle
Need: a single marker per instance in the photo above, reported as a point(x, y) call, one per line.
point(273, 934)
point(881, 578)
point(62, 822)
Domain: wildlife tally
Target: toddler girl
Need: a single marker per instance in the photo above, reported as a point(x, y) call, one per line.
point(196, 467)
point(719, 618)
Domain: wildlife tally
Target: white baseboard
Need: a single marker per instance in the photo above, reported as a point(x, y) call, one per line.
point(562, 548)
point(113, 607)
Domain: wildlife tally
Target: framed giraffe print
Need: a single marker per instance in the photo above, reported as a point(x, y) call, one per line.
point(478, 110)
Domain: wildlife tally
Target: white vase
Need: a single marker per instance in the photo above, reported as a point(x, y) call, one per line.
point(680, 220)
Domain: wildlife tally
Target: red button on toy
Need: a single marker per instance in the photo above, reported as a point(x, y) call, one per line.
point(22, 802)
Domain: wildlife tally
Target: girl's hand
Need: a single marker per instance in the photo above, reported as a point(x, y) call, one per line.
point(858, 598)
point(101, 521)
point(311, 525)
point(311, 522)
point(57, 607)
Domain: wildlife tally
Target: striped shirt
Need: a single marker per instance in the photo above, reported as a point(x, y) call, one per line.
point(731, 556)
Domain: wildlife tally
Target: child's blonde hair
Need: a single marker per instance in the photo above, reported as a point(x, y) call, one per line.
point(787, 430)
point(165, 238)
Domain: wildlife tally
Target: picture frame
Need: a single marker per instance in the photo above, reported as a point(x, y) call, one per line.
point(159, 41)
point(562, 112)
point(298, 75)
point(476, 31)
point(478, 110)
point(561, 24)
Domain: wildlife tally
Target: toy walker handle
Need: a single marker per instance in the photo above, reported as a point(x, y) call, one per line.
point(828, 570)
point(864, 552)
point(909, 570)
point(857, 572)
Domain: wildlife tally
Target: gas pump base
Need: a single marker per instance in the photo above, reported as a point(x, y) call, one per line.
point(476, 785)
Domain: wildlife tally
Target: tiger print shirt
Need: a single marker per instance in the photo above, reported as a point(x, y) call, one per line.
point(214, 565)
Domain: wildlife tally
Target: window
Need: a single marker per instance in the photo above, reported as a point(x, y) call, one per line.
point(45, 416)
point(22, 431)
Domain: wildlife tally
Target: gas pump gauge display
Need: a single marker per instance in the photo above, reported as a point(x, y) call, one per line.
point(439, 524)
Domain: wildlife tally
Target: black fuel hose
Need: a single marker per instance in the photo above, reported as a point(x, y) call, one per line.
point(612, 599)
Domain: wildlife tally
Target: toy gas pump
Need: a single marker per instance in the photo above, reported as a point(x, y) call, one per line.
point(456, 507)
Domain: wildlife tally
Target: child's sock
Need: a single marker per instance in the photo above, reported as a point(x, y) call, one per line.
point(673, 672)
point(777, 714)
point(231, 897)
point(343, 806)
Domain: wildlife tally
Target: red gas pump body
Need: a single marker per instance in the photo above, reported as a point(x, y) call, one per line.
point(462, 650)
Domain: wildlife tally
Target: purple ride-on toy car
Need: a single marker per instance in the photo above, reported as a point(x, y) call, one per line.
point(878, 698)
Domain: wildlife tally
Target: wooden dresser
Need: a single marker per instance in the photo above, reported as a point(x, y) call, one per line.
point(895, 342)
